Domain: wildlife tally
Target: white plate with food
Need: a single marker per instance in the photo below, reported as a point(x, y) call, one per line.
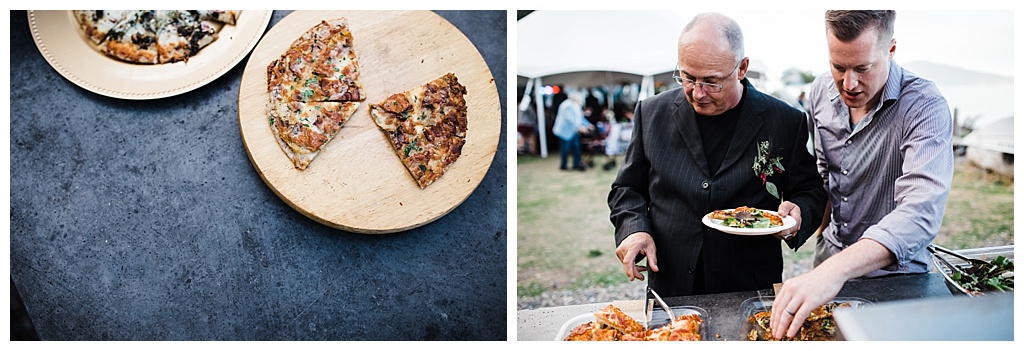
point(70, 51)
point(748, 221)
point(611, 323)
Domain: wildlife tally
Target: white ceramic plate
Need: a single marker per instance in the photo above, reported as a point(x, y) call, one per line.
point(787, 222)
point(75, 57)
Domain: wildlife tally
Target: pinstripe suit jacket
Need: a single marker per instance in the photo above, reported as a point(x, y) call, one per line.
point(664, 188)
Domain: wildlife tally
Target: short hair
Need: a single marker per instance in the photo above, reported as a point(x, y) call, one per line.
point(847, 25)
point(727, 26)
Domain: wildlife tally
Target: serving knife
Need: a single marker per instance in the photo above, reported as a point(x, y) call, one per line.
point(671, 316)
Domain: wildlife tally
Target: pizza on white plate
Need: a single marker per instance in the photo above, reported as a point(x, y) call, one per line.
point(153, 36)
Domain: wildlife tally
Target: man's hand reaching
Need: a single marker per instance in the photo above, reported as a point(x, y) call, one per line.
point(639, 243)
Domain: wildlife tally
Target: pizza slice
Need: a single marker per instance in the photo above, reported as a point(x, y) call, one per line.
point(426, 126)
point(134, 38)
point(222, 16)
point(181, 35)
point(614, 317)
point(97, 23)
point(683, 328)
point(303, 128)
point(318, 66)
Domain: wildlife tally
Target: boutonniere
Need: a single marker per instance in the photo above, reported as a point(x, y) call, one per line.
point(765, 166)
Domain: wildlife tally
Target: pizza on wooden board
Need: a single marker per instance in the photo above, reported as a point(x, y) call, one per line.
point(426, 126)
point(314, 89)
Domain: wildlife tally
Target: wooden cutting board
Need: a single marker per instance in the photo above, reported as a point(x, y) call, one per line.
point(357, 183)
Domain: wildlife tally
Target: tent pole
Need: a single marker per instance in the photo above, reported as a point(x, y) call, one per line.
point(542, 126)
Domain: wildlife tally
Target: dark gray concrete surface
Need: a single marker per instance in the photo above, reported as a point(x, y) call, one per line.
point(145, 220)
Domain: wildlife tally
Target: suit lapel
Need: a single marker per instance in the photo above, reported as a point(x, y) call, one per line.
point(686, 124)
point(747, 128)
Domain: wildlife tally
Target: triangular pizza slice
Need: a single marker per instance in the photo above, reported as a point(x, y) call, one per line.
point(319, 66)
point(319, 70)
point(426, 126)
point(303, 128)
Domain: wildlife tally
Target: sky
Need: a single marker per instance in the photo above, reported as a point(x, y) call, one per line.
point(972, 39)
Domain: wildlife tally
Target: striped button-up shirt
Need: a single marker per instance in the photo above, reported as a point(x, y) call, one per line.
point(887, 177)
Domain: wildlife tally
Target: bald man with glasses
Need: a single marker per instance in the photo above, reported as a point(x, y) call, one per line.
point(709, 145)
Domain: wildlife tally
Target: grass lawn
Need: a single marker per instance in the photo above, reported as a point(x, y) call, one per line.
point(566, 241)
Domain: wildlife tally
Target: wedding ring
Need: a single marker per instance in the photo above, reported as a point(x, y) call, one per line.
point(791, 313)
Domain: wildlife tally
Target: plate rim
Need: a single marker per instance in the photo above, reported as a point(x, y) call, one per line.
point(787, 223)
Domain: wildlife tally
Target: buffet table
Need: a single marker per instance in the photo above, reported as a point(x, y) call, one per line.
point(725, 319)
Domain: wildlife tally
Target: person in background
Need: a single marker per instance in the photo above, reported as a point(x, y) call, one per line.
point(569, 123)
point(713, 143)
point(527, 127)
point(884, 147)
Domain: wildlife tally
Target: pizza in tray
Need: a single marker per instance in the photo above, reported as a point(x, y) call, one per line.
point(819, 326)
point(611, 324)
point(314, 89)
point(426, 126)
point(153, 36)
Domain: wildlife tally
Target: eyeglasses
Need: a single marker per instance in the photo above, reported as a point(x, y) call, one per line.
point(707, 87)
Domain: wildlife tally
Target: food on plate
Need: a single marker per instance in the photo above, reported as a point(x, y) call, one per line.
point(819, 326)
point(994, 276)
point(314, 89)
point(303, 128)
point(593, 331)
point(747, 217)
point(613, 325)
point(153, 36)
point(426, 126)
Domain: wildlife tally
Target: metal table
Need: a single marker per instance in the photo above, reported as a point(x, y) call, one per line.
point(145, 220)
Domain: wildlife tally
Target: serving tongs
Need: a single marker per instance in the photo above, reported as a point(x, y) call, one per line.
point(973, 261)
point(671, 316)
point(934, 249)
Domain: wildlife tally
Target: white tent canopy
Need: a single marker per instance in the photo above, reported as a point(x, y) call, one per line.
point(637, 42)
point(586, 48)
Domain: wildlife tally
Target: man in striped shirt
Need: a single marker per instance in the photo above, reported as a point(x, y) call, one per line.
point(883, 138)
